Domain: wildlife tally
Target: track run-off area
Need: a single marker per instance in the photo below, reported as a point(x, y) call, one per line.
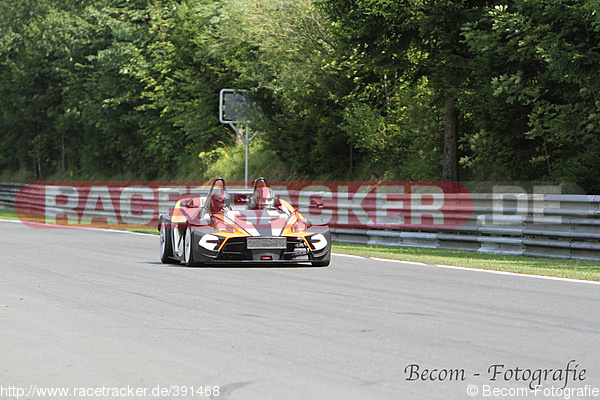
point(96, 311)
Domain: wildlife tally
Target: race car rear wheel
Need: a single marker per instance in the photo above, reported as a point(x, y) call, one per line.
point(188, 250)
point(166, 243)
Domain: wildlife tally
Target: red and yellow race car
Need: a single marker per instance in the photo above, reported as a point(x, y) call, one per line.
point(231, 228)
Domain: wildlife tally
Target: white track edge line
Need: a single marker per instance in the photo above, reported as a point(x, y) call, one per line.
point(490, 271)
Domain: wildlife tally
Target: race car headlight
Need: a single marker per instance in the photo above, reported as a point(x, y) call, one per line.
point(209, 242)
point(318, 241)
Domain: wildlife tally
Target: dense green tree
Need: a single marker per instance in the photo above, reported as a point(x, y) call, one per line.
point(413, 39)
point(543, 63)
point(279, 50)
point(367, 89)
point(102, 89)
point(41, 42)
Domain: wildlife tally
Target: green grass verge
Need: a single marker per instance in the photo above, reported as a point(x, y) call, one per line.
point(574, 269)
point(8, 214)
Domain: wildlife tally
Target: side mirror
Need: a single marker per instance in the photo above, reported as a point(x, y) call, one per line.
point(190, 204)
point(316, 203)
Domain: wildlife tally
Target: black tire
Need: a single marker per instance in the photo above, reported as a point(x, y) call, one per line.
point(188, 250)
point(166, 243)
point(321, 263)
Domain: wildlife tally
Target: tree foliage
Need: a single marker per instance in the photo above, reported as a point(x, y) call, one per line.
point(544, 58)
point(349, 89)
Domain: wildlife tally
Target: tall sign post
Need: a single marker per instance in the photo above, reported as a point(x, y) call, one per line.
point(235, 108)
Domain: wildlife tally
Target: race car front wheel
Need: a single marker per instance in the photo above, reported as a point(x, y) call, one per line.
point(188, 250)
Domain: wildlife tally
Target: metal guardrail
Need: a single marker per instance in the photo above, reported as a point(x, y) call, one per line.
point(555, 226)
point(8, 192)
point(539, 225)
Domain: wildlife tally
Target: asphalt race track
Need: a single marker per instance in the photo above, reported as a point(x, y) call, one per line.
point(95, 309)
